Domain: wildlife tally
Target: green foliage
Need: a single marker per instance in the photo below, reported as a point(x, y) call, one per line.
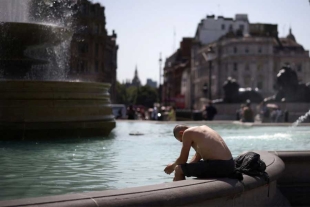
point(144, 95)
point(121, 94)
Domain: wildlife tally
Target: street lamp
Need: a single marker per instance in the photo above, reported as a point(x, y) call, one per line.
point(208, 58)
point(159, 89)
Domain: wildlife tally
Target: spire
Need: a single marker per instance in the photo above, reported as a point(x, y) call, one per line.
point(136, 71)
point(136, 80)
point(290, 35)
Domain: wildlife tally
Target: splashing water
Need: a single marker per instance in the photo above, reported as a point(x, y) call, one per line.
point(300, 119)
point(49, 12)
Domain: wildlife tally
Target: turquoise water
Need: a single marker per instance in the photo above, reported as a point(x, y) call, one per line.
point(33, 169)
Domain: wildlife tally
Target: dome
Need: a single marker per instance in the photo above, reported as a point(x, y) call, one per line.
point(291, 36)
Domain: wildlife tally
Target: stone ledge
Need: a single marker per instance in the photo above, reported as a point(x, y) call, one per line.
point(192, 192)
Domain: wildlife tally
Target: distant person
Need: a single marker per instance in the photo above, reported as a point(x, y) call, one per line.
point(119, 114)
point(286, 115)
point(142, 114)
point(210, 111)
point(273, 115)
point(171, 114)
point(279, 115)
point(264, 112)
point(247, 113)
point(131, 113)
point(239, 112)
point(212, 158)
point(155, 113)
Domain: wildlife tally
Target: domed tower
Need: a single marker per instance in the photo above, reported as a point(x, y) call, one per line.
point(291, 36)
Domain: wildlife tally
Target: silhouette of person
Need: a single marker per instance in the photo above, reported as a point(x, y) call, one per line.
point(211, 111)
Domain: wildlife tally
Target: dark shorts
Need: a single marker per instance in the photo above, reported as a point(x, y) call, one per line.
point(209, 168)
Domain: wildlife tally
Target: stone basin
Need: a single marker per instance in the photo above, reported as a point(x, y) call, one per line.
point(39, 109)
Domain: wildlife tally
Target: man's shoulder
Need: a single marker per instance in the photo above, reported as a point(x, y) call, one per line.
point(197, 129)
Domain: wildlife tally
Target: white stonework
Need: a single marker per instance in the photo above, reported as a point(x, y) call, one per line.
point(211, 29)
point(250, 60)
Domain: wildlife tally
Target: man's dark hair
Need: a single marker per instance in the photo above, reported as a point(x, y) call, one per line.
point(178, 126)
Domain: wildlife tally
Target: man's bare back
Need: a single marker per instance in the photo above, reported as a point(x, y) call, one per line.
point(209, 147)
point(208, 143)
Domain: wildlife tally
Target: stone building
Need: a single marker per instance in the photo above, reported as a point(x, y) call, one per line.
point(93, 51)
point(211, 29)
point(151, 83)
point(252, 59)
point(176, 69)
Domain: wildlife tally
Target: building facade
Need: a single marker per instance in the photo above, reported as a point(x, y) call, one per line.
point(175, 67)
point(93, 51)
point(211, 28)
point(253, 60)
point(151, 83)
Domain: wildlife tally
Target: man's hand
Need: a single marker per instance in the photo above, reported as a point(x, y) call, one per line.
point(169, 169)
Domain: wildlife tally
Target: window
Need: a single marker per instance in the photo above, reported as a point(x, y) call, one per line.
point(83, 48)
point(247, 81)
point(223, 26)
point(259, 67)
point(83, 9)
point(299, 67)
point(93, 9)
point(247, 66)
point(260, 82)
point(235, 66)
point(235, 50)
point(259, 50)
point(96, 66)
point(241, 27)
point(95, 29)
point(82, 66)
point(96, 49)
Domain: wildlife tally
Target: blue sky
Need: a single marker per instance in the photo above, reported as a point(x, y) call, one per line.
point(145, 28)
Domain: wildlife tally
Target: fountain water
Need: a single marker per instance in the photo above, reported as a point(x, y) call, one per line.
point(301, 119)
point(31, 106)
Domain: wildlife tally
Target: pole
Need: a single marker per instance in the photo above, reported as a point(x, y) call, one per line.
point(159, 89)
point(210, 79)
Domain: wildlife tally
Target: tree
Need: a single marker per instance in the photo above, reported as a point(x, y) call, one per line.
point(121, 94)
point(145, 95)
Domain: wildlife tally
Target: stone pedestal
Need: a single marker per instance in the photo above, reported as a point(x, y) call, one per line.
point(39, 109)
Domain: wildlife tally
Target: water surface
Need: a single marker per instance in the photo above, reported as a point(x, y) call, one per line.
point(33, 169)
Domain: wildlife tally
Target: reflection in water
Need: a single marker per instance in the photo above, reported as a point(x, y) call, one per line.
point(32, 169)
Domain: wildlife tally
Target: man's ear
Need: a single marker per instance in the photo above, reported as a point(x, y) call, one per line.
point(181, 132)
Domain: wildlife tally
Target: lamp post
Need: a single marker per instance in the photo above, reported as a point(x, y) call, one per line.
point(208, 58)
point(159, 88)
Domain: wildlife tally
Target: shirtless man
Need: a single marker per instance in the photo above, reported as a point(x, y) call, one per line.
point(212, 158)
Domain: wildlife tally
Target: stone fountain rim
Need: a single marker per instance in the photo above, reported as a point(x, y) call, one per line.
point(35, 23)
point(25, 82)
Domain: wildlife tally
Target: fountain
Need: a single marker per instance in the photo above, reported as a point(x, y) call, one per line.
point(38, 108)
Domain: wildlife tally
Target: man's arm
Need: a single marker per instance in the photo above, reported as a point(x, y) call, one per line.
point(187, 143)
point(195, 158)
